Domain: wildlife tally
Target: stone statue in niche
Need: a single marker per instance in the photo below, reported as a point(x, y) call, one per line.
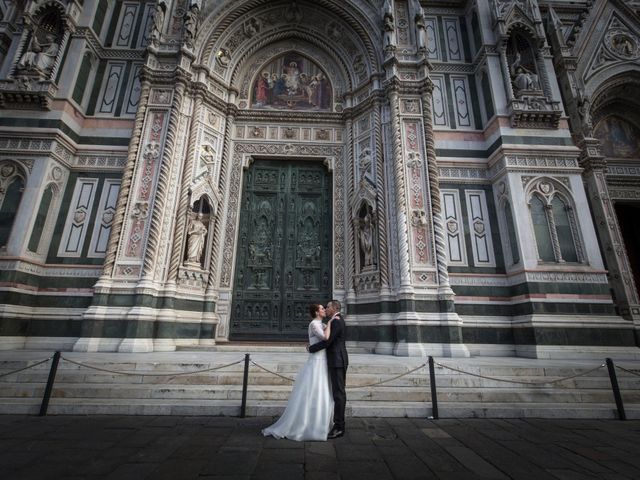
point(191, 23)
point(365, 237)
point(584, 107)
point(158, 22)
point(40, 57)
point(197, 234)
point(365, 163)
point(523, 79)
point(421, 31)
point(389, 27)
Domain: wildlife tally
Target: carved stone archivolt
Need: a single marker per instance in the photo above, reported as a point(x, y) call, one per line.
point(243, 37)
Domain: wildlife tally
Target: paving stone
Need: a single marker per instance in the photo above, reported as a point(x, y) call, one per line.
point(570, 475)
point(321, 475)
point(93, 448)
point(408, 467)
point(231, 463)
point(132, 471)
point(273, 455)
point(178, 469)
point(319, 448)
point(355, 453)
point(287, 471)
point(320, 463)
point(473, 462)
point(364, 470)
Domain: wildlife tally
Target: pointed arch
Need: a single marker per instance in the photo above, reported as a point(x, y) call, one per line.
point(13, 180)
point(554, 221)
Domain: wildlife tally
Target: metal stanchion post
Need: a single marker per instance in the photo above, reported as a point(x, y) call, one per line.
point(616, 389)
point(47, 391)
point(245, 380)
point(434, 396)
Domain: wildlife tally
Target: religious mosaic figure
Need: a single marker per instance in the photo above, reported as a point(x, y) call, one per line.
point(292, 82)
point(195, 245)
point(619, 138)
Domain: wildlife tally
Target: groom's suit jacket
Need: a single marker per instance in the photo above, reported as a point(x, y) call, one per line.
point(336, 350)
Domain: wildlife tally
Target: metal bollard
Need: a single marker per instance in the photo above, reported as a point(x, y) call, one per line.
point(47, 391)
point(245, 381)
point(434, 396)
point(616, 389)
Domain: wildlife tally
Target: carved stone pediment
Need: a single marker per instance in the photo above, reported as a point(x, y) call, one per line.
point(534, 111)
point(507, 13)
point(366, 193)
point(27, 93)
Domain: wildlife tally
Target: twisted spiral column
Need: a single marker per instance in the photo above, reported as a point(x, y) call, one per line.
point(183, 201)
point(380, 197)
point(506, 75)
point(126, 183)
point(159, 213)
point(351, 245)
point(226, 160)
point(434, 190)
point(400, 191)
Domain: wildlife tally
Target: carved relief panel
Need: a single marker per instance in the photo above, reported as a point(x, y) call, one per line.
point(283, 257)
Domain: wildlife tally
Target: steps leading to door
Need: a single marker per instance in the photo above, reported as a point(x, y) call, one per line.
point(79, 390)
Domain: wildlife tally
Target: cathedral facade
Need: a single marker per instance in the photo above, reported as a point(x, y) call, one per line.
point(462, 175)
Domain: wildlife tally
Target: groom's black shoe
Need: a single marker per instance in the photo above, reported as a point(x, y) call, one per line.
point(335, 433)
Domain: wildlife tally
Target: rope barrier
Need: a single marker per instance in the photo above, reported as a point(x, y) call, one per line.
point(628, 371)
point(350, 386)
point(548, 382)
point(162, 374)
point(27, 367)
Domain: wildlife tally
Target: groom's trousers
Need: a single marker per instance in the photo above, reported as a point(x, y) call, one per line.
point(338, 380)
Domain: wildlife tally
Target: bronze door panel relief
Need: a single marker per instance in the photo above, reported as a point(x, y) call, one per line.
point(283, 257)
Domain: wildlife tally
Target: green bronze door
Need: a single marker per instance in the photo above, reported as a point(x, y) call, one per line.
point(283, 257)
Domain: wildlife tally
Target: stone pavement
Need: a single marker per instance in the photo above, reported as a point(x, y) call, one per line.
point(218, 448)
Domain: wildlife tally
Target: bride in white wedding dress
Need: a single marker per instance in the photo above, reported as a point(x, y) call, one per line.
point(310, 406)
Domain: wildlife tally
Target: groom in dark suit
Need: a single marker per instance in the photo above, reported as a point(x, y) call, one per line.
point(338, 361)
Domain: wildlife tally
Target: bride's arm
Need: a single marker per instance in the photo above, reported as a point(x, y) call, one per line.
point(327, 330)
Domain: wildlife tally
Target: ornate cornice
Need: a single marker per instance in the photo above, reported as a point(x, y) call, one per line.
point(108, 53)
point(288, 116)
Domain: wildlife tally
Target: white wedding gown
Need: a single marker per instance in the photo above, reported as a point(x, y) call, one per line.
point(310, 407)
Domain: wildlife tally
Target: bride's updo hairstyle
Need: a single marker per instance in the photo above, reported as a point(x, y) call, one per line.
point(313, 309)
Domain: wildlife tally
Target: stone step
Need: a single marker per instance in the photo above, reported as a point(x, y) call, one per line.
point(83, 377)
point(293, 365)
point(81, 390)
point(280, 392)
point(354, 409)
